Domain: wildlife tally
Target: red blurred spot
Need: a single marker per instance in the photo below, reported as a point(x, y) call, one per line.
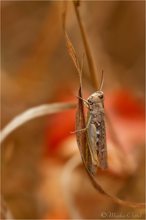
point(125, 104)
point(61, 124)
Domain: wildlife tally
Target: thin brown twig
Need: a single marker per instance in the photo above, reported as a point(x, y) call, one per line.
point(115, 199)
point(72, 53)
point(69, 45)
point(90, 59)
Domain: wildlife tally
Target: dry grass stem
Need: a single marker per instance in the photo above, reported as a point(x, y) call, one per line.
point(32, 113)
point(66, 180)
point(72, 53)
point(90, 60)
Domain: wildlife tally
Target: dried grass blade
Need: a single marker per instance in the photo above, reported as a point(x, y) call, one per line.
point(69, 44)
point(80, 123)
point(90, 60)
point(82, 137)
point(32, 113)
point(72, 53)
point(114, 199)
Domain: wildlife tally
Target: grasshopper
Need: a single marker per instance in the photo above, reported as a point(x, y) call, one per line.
point(95, 128)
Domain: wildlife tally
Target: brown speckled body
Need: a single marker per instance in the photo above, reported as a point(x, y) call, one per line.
point(96, 130)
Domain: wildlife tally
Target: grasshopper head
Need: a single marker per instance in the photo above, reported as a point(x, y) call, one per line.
point(96, 97)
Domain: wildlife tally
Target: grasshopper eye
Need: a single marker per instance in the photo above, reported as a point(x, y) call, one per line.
point(101, 96)
point(90, 102)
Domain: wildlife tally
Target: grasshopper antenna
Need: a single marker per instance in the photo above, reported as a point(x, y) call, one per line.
point(102, 81)
point(81, 69)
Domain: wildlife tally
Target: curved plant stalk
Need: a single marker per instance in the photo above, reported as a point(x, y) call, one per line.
point(32, 113)
point(90, 60)
point(66, 176)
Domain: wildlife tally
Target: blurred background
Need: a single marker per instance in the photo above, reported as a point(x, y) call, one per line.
point(36, 69)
